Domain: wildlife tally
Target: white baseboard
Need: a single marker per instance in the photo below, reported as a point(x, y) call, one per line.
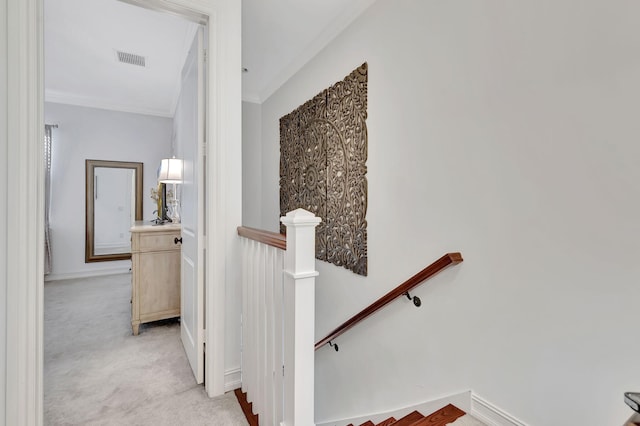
point(490, 414)
point(232, 379)
point(87, 274)
point(461, 400)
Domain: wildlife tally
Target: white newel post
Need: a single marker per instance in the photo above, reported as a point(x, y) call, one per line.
point(299, 317)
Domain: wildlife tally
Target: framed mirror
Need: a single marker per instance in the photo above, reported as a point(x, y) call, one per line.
point(113, 204)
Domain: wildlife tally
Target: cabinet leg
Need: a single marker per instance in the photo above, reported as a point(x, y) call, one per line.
point(135, 327)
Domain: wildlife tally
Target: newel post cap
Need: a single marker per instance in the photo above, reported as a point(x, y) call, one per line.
point(300, 217)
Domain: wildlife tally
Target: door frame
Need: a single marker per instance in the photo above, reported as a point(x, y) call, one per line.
point(25, 192)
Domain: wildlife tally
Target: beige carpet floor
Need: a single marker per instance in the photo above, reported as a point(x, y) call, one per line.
point(97, 373)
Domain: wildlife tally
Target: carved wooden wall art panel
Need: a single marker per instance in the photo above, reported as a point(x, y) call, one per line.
point(323, 156)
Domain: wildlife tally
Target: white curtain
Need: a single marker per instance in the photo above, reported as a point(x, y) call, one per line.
point(47, 196)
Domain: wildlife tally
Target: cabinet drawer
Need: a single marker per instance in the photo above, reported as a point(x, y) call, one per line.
point(156, 241)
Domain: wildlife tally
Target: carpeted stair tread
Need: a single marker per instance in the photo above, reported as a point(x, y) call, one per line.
point(442, 417)
point(388, 422)
point(369, 423)
point(409, 419)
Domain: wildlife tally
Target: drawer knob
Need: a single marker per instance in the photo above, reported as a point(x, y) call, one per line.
point(177, 240)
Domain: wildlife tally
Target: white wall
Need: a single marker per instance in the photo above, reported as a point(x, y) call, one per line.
point(96, 134)
point(3, 206)
point(507, 131)
point(251, 165)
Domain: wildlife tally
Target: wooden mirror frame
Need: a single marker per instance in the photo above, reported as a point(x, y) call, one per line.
point(90, 165)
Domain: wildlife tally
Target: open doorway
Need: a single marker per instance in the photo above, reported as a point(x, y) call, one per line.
point(24, 263)
point(120, 87)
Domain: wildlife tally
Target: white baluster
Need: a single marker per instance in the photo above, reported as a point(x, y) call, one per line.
point(268, 419)
point(259, 403)
point(278, 358)
point(251, 352)
point(246, 272)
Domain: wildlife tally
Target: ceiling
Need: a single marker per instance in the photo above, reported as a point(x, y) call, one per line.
point(280, 36)
point(80, 61)
point(83, 36)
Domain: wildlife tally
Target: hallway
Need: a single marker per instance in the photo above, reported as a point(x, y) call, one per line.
point(97, 373)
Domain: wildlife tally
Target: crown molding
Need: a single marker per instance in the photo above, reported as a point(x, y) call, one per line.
point(338, 25)
point(251, 98)
point(69, 99)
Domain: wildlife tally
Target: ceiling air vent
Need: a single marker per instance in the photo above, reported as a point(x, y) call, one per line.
point(131, 58)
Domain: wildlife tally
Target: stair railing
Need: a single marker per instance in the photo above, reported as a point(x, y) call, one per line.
point(278, 305)
point(401, 290)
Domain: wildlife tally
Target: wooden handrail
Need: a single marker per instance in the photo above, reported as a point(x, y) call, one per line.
point(437, 266)
point(267, 237)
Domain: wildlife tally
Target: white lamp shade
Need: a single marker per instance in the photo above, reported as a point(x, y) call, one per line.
point(170, 171)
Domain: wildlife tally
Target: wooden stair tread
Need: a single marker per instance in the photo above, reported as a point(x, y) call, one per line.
point(409, 419)
point(247, 408)
point(442, 417)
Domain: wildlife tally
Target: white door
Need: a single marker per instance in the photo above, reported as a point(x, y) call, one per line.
point(190, 131)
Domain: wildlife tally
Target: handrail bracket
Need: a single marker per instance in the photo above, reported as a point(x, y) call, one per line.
point(416, 300)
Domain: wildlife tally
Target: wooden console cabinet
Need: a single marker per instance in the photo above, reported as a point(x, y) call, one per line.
point(155, 266)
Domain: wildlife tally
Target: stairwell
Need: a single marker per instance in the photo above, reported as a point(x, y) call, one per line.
point(278, 328)
point(448, 415)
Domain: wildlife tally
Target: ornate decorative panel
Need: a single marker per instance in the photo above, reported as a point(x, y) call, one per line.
point(323, 155)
